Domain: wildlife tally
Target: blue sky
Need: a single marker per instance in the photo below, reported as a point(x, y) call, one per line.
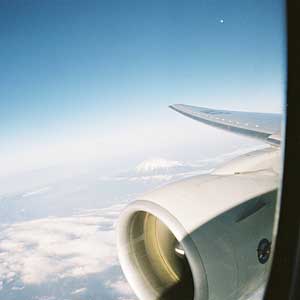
point(74, 72)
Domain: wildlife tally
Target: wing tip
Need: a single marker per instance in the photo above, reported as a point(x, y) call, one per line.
point(175, 106)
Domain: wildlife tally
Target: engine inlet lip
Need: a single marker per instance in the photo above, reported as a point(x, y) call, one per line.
point(135, 279)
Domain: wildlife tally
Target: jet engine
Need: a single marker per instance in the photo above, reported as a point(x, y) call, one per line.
point(208, 237)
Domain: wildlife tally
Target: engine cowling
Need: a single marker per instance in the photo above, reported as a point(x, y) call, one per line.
point(202, 238)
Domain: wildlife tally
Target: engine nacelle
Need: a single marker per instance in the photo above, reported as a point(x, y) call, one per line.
point(207, 237)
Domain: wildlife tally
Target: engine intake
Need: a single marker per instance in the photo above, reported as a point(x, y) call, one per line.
point(167, 270)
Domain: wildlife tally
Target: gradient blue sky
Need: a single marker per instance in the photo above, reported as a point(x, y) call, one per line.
point(75, 71)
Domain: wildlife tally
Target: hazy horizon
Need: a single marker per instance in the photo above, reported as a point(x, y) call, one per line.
point(82, 81)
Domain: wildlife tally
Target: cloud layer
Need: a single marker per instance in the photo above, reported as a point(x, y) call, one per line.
point(53, 249)
point(74, 256)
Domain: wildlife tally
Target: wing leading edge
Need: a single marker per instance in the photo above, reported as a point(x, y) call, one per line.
point(264, 126)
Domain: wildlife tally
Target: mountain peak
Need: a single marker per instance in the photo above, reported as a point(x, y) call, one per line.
point(157, 164)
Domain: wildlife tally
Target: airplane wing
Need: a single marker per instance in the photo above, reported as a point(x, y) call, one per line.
point(265, 126)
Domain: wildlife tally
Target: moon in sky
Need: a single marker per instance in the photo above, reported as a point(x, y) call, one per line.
point(221, 21)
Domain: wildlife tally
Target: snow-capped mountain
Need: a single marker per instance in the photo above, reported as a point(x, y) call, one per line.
point(158, 165)
point(159, 169)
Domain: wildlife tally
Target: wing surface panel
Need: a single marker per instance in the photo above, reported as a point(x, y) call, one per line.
point(258, 125)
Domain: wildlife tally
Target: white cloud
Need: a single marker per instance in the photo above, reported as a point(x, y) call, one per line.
point(52, 248)
point(36, 192)
point(121, 288)
point(78, 291)
point(17, 288)
point(45, 298)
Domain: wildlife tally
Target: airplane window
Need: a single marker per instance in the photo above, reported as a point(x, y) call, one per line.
point(140, 148)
